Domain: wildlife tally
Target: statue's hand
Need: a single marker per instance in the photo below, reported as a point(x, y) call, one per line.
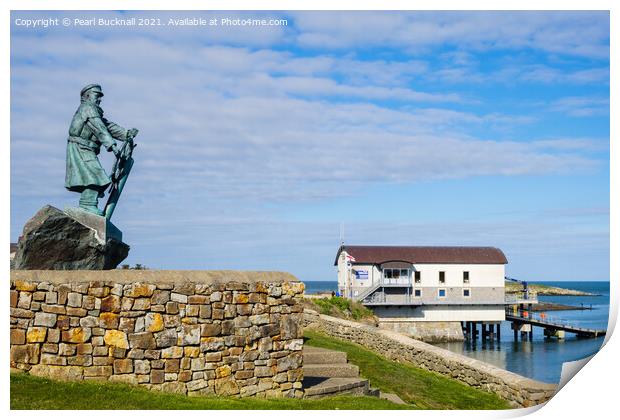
point(116, 151)
point(132, 132)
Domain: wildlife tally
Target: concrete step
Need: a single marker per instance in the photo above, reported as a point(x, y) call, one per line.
point(320, 387)
point(391, 397)
point(332, 370)
point(318, 356)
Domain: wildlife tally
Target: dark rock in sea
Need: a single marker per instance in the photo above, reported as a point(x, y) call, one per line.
point(69, 240)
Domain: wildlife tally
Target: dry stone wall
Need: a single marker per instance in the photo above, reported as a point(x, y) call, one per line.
point(517, 390)
point(191, 332)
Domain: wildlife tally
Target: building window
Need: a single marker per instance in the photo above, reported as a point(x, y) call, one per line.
point(441, 293)
point(396, 275)
point(418, 276)
point(442, 277)
point(466, 293)
point(417, 292)
point(465, 276)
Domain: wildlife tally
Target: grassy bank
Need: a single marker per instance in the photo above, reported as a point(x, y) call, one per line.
point(426, 390)
point(340, 307)
point(33, 393)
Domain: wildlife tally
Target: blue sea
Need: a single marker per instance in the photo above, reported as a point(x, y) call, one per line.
point(542, 358)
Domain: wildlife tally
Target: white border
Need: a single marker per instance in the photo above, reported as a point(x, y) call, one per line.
point(593, 394)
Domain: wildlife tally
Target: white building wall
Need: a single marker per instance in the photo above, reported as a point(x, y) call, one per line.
point(440, 313)
point(480, 275)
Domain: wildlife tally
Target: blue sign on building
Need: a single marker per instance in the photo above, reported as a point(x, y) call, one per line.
point(361, 274)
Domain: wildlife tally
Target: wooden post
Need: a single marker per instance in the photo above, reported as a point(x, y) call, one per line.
point(498, 331)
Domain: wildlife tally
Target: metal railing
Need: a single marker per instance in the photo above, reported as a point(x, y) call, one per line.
point(543, 318)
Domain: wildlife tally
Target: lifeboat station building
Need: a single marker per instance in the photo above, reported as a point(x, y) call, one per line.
point(425, 290)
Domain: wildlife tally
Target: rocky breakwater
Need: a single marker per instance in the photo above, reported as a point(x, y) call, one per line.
point(191, 332)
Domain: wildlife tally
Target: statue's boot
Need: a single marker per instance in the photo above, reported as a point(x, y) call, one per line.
point(89, 200)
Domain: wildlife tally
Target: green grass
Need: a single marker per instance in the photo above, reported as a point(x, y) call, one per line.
point(341, 308)
point(33, 393)
point(426, 390)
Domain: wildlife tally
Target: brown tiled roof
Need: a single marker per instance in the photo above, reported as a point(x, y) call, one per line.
point(424, 254)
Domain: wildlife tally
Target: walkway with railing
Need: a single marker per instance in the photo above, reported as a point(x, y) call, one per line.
point(550, 323)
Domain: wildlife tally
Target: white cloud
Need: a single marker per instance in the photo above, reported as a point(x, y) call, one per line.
point(581, 106)
point(552, 32)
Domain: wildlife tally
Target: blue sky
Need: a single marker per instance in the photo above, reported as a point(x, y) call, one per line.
point(417, 128)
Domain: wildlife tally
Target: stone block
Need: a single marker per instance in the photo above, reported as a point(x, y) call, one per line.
point(191, 351)
point(171, 321)
point(166, 338)
point(28, 353)
point(226, 386)
point(51, 297)
point(211, 344)
point(63, 322)
point(100, 350)
point(116, 338)
point(80, 360)
point(172, 366)
point(190, 335)
point(67, 349)
point(259, 319)
point(84, 348)
point(185, 376)
point(157, 376)
point(141, 304)
point(153, 322)
point(142, 367)
point(111, 303)
point(173, 352)
point(74, 300)
point(18, 336)
point(25, 286)
point(197, 299)
point(213, 356)
point(123, 366)
point(137, 290)
point(76, 335)
point(158, 364)
point(210, 330)
point(127, 325)
point(160, 297)
point(143, 340)
point(99, 292)
point(264, 371)
point(51, 359)
point(58, 373)
point(42, 319)
point(98, 371)
point(205, 311)
point(14, 296)
point(223, 371)
point(25, 299)
point(179, 298)
point(79, 312)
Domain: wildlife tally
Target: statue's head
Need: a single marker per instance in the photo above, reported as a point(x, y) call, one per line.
point(92, 93)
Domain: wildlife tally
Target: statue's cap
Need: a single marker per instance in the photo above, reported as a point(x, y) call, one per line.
point(92, 86)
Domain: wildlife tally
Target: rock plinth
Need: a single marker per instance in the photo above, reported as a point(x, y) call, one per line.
point(71, 240)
